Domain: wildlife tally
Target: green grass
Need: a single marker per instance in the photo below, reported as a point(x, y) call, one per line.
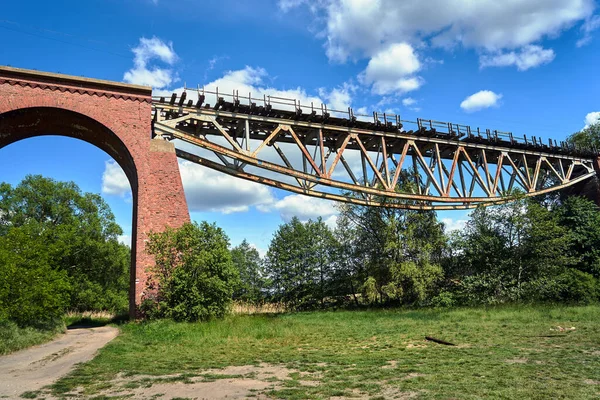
point(501, 353)
point(14, 338)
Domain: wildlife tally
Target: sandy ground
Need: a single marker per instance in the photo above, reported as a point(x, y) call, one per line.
point(33, 368)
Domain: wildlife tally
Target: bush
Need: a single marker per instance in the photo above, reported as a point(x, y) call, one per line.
point(31, 291)
point(572, 286)
point(411, 282)
point(486, 289)
point(443, 300)
point(194, 276)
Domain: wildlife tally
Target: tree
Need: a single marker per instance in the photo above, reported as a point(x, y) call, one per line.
point(581, 219)
point(300, 261)
point(505, 248)
point(587, 138)
point(78, 235)
point(379, 243)
point(32, 291)
point(194, 277)
point(249, 265)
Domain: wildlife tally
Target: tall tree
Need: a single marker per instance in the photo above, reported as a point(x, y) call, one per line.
point(249, 265)
point(299, 262)
point(78, 233)
point(381, 239)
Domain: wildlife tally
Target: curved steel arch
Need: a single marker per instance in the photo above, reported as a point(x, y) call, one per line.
point(352, 160)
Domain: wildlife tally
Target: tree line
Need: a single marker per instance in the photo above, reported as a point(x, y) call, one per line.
point(59, 251)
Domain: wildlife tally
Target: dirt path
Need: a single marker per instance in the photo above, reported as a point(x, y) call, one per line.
point(34, 368)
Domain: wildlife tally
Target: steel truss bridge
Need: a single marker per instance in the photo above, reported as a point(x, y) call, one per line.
point(378, 160)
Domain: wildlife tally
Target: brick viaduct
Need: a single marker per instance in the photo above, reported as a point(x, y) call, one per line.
point(116, 118)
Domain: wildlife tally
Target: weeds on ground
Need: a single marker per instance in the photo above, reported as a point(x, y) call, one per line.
point(14, 338)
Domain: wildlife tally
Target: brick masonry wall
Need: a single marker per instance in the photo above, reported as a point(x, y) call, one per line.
point(151, 165)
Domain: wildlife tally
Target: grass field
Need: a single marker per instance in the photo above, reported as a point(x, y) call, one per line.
point(507, 353)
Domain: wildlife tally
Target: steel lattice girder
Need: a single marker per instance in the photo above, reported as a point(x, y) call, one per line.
point(446, 173)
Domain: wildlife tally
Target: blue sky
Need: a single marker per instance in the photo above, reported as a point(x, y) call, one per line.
point(526, 66)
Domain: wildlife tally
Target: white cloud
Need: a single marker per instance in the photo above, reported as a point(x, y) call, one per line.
point(303, 207)
point(409, 101)
point(528, 57)
point(480, 100)
point(339, 98)
point(592, 118)
point(125, 239)
point(143, 73)
point(114, 180)
point(253, 80)
point(361, 28)
point(331, 221)
point(453, 224)
point(209, 190)
point(261, 252)
point(391, 70)
point(590, 25)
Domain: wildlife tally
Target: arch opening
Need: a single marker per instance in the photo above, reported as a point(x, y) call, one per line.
point(24, 123)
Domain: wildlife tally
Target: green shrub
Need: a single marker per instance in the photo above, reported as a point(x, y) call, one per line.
point(411, 282)
point(444, 299)
point(31, 291)
point(194, 276)
point(572, 286)
point(486, 289)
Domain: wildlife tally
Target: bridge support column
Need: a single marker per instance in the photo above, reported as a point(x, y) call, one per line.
point(161, 202)
point(116, 118)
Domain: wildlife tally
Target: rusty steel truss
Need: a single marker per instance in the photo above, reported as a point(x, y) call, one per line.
point(368, 160)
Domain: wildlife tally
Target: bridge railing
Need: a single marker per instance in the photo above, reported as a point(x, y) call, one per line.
point(215, 99)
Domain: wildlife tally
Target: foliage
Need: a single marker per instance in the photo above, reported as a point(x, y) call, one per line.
point(503, 247)
point(14, 338)
point(587, 138)
point(571, 287)
point(69, 247)
point(32, 292)
point(249, 265)
point(194, 277)
point(300, 263)
point(413, 283)
point(393, 246)
point(581, 218)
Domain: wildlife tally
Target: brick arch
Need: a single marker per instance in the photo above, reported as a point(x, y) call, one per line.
point(116, 118)
point(24, 123)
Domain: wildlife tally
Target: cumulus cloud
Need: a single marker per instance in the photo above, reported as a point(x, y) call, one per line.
point(592, 118)
point(480, 100)
point(392, 70)
point(528, 57)
point(148, 51)
point(339, 98)
point(303, 207)
point(114, 180)
point(210, 190)
point(362, 28)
